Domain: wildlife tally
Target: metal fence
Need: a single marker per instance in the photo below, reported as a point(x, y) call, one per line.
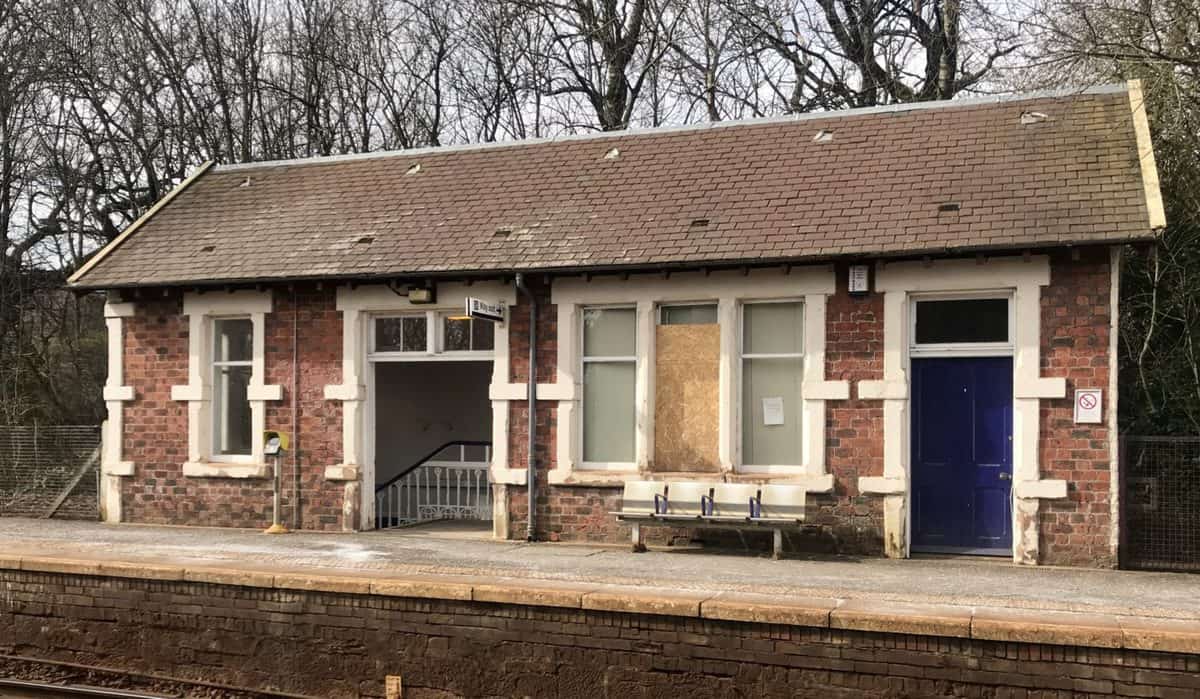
point(1160, 503)
point(50, 471)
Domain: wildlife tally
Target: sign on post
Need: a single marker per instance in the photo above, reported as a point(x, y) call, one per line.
point(478, 308)
point(1087, 406)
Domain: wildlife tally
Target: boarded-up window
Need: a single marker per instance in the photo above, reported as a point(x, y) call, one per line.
point(772, 369)
point(609, 381)
point(687, 388)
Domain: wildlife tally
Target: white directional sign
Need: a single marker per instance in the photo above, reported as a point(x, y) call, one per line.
point(483, 310)
point(1088, 406)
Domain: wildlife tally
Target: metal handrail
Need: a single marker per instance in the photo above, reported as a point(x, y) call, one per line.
point(429, 457)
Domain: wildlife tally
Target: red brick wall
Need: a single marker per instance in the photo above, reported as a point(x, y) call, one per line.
point(336, 645)
point(318, 441)
point(156, 358)
point(1075, 345)
point(566, 513)
point(1075, 329)
point(155, 427)
point(854, 428)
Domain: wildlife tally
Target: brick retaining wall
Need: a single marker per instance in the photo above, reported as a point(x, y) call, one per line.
point(332, 643)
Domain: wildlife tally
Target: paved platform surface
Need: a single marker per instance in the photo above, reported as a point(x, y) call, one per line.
point(466, 551)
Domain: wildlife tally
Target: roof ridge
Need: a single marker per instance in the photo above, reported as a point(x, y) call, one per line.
point(1109, 88)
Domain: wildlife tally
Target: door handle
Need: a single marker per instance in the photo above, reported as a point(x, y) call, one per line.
point(1004, 476)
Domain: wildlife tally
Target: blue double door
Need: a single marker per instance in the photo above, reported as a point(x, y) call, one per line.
point(962, 455)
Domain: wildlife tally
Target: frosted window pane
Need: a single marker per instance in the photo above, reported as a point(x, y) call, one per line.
point(689, 315)
point(231, 408)
point(764, 444)
point(608, 412)
point(233, 339)
point(609, 332)
point(772, 328)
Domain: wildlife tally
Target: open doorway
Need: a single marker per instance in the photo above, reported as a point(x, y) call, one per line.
point(433, 431)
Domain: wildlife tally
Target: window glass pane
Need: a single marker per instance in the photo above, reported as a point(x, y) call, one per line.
point(772, 328)
point(231, 410)
point(483, 335)
point(962, 320)
point(609, 332)
point(233, 338)
point(608, 412)
point(771, 411)
point(387, 334)
point(456, 335)
point(689, 315)
point(414, 334)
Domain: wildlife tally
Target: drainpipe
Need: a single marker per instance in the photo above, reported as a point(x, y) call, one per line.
point(295, 410)
point(531, 395)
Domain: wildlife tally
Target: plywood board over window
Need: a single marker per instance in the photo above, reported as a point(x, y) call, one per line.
point(686, 385)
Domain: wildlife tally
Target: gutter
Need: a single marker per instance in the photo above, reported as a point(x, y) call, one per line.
point(644, 268)
point(531, 396)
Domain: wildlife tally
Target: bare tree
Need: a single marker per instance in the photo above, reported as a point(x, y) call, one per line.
point(107, 104)
point(856, 53)
point(605, 50)
point(1157, 41)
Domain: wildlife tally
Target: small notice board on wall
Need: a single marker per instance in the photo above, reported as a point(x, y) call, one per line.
point(1088, 406)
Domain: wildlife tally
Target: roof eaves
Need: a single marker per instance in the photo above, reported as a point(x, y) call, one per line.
point(648, 267)
point(107, 250)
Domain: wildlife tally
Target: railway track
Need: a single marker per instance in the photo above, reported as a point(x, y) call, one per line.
point(22, 689)
point(36, 678)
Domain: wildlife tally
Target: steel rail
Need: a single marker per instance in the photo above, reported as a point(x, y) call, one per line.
point(23, 689)
point(65, 690)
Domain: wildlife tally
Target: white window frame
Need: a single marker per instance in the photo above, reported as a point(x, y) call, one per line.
point(584, 360)
point(215, 365)
point(741, 368)
point(435, 331)
point(201, 309)
point(961, 349)
point(811, 284)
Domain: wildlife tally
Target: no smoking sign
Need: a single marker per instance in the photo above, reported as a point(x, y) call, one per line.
point(1087, 406)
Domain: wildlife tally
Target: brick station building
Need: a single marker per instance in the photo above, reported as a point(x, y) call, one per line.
point(895, 307)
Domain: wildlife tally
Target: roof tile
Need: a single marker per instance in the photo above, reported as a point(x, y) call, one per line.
point(768, 191)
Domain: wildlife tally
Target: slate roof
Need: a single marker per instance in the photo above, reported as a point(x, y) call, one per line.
point(918, 179)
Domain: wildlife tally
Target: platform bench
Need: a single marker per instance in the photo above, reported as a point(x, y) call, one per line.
point(712, 505)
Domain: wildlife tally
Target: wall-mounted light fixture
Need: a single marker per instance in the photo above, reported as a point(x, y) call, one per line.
point(422, 294)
